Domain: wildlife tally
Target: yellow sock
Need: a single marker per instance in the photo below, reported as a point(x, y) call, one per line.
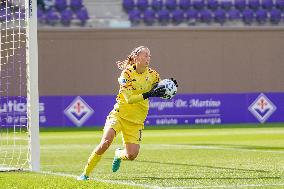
point(92, 162)
point(121, 154)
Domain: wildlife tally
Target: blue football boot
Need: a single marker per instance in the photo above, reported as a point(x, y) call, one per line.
point(116, 161)
point(83, 177)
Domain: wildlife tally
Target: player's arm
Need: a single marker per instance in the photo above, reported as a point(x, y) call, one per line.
point(130, 98)
point(156, 91)
point(127, 90)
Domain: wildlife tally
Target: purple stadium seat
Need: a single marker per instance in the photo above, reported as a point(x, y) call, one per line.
point(52, 17)
point(226, 4)
point(261, 16)
point(142, 4)
point(248, 16)
point(220, 16)
point(3, 16)
point(149, 16)
point(184, 4)
point(275, 16)
point(177, 16)
point(192, 15)
point(66, 17)
point(82, 15)
point(254, 4)
point(234, 15)
point(206, 16)
point(267, 4)
point(164, 16)
point(128, 5)
point(48, 4)
point(40, 4)
point(60, 5)
point(212, 4)
point(76, 4)
point(3, 4)
point(171, 4)
point(157, 4)
point(198, 4)
point(240, 4)
point(280, 4)
point(40, 15)
point(19, 14)
point(134, 16)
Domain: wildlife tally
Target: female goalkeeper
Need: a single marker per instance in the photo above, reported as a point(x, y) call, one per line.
point(137, 84)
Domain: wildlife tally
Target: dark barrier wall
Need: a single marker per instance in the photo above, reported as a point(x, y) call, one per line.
point(82, 62)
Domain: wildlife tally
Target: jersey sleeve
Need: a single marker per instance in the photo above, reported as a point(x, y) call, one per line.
point(155, 75)
point(125, 80)
point(126, 88)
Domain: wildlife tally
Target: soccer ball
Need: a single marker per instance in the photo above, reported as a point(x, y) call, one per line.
point(171, 88)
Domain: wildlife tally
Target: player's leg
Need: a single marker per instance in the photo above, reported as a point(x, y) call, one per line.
point(96, 155)
point(112, 127)
point(131, 135)
point(130, 152)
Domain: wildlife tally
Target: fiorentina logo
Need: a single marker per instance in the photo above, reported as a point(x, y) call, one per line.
point(262, 108)
point(78, 111)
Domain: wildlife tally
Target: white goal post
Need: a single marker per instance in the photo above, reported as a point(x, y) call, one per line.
point(19, 98)
point(32, 85)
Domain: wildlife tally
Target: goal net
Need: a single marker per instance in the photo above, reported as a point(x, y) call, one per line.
point(19, 145)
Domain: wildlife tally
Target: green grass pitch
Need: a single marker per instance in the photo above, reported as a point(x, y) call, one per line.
point(169, 158)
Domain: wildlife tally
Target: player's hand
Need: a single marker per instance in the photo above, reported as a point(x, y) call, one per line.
point(175, 81)
point(156, 91)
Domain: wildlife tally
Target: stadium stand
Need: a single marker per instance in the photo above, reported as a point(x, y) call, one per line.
point(127, 13)
point(62, 13)
point(209, 12)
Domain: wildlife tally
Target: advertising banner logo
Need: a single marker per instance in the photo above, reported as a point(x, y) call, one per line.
point(78, 111)
point(262, 108)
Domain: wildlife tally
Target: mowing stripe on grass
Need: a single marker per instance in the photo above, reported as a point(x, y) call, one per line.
point(166, 146)
point(225, 186)
point(218, 148)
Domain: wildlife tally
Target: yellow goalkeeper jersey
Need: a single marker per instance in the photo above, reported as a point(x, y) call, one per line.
point(130, 103)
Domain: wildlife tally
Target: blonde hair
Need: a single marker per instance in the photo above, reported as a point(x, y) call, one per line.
point(130, 58)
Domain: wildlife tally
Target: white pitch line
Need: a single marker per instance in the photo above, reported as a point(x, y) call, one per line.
point(105, 181)
point(159, 187)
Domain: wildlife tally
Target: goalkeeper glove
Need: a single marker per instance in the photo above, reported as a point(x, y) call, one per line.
point(156, 91)
point(175, 81)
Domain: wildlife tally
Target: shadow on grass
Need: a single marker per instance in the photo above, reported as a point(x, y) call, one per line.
point(206, 166)
point(202, 166)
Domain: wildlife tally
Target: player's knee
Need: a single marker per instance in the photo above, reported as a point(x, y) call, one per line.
point(132, 156)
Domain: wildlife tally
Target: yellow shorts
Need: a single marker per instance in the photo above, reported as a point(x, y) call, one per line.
point(131, 132)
